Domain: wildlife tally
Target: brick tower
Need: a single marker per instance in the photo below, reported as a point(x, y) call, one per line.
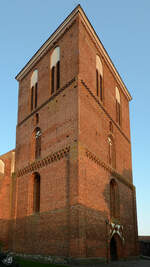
point(73, 190)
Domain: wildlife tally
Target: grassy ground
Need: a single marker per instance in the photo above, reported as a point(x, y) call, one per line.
point(24, 263)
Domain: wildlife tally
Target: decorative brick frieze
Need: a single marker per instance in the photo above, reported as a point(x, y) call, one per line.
point(99, 162)
point(43, 162)
point(103, 164)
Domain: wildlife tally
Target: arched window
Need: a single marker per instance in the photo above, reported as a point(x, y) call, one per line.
point(36, 193)
point(114, 200)
point(99, 78)
point(118, 107)
point(55, 70)
point(34, 89)
point(111, 152)
point(2, 166)
point(37, 143)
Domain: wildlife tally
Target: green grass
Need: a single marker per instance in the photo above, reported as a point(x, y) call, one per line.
point(24, 263)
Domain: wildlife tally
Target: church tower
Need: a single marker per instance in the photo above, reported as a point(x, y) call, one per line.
point(73, 189)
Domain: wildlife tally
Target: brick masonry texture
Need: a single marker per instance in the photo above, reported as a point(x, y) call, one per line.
point(75, 174)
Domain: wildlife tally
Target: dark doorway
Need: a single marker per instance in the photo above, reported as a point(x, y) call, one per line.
point(113, 249)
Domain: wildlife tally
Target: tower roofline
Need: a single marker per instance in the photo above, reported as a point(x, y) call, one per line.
point(48, 43)
point(58, 32)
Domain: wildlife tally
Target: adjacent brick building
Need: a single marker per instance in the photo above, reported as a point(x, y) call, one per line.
point(73, 193)
point(6, 175)
point(144, 245)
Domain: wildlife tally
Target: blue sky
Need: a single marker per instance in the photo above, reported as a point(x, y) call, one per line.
point(124, 29)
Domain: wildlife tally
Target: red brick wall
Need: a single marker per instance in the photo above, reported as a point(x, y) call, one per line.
point(95, 173)
point(6, 197)
point(68, 44)
point(75, 191)
point(55, 121)
point(87, 70)
point(49, 230)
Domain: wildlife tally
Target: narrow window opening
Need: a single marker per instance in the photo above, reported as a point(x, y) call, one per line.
point(37, 118)
point(55, 69)
point(38, 143)
point(97, 82)
point(36, 94)
point(101, 88)
point(111, 153)
point(34, 89)
point(36, 193)
point(119, 114)
point(110, 127)
point(52, 79)
point(99, 78)
point(32, 93)
point(118, 107)
point(58, 75)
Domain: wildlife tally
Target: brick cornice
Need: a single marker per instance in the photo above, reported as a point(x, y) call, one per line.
point(38, 164)
point(107, 167)
point(103, 108)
